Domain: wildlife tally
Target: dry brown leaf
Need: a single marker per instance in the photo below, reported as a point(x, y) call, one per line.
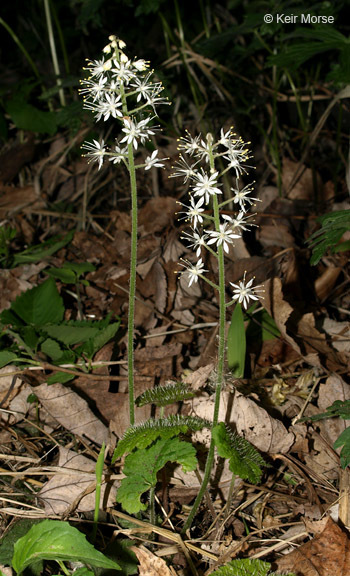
point(275, 235)
point(199, 377)
point(150, 564)
point(157, 214)
point(327, 554)
point(258, 427)
point(16, 199)
point(76, 477)
point(71, 411)
point(303, 189)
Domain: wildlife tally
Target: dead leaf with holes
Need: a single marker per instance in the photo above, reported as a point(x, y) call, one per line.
point(327, 554)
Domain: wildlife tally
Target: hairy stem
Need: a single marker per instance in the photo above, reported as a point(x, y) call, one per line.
point(132, 283)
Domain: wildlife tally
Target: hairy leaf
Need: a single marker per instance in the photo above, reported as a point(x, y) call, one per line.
point(141, 468)
point(244, 459)
point(164, 395)
point(142, 435)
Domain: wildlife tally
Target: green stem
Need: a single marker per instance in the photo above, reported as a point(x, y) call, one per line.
point(152, 511)
point(221, 357)
point(63, 568)
point(98, 472)
point(132, 283)
point(133, 261)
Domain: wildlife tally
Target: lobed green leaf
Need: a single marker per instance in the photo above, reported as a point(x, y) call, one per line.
point(142, 435)
point(141, 468)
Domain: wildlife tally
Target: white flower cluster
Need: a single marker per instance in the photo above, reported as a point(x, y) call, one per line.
point(204, 186)
point(120, 88)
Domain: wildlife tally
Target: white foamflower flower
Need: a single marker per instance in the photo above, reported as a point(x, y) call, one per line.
point(245, 291)
point(194, 211)
point(193, 271)
point(109, 108)
point(154, 162)
point(242, 197)
point(240, 221)
point(95, 151)
point(197, 241)
point(206, 185)
point(224, 236)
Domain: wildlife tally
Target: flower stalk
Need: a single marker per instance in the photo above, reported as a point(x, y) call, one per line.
point(121, 89)
point(204, 183)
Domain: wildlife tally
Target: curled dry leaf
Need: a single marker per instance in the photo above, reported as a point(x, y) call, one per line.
point(66, 487)
point(71, 411)
point(327, 554)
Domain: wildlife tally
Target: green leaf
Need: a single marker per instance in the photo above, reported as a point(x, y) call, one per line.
point(333, 226)
point(141, 468)
point(83, 571)
point(318, 40)
point(62, 274)
point(339, 408)
point(40, 305)
point(70, 335)
point(42, 251)
point(244, 459)
point(53, 540)
point(27, 117)
point(71, 271)
point(344, 440)
point(142, 435)
point(19, 529)
point(244, 567)
point(6, 357)
point(52, 349)
point(236, 343)
point(120, 550)
point(103, 336)
point(61, 377)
